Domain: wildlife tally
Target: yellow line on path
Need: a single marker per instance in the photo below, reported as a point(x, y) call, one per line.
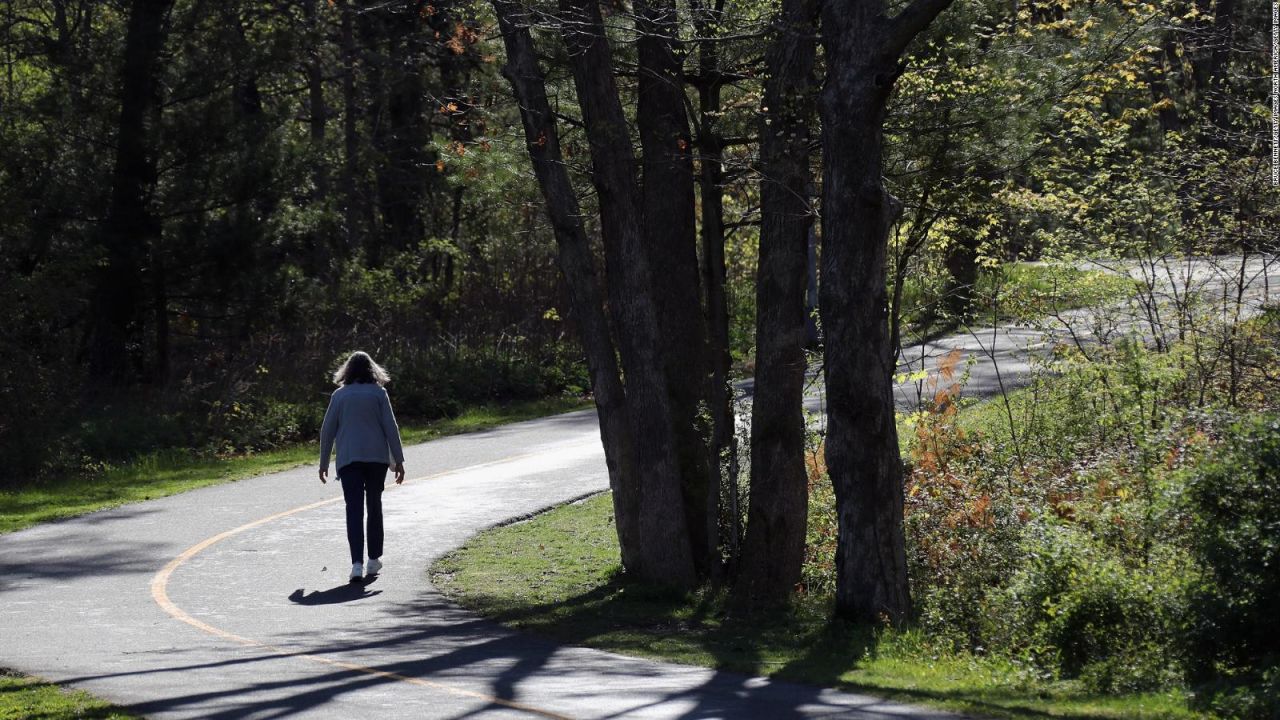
point(160, 593)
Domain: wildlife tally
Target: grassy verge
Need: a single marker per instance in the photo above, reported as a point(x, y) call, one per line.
point(173, 471)
point(27, 697)
point(1030, 290)
point(1015, 292)
point(558, 575)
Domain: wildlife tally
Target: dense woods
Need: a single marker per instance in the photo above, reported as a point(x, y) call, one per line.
point(202, 205)
point(206, 203)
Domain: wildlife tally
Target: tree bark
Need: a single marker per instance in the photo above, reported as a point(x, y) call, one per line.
point(723, 525)
point(317, 112)
point(160, 314)
point(130, 226)
point(374, 210)
point(576, 266)
point(961, 261)
point(351, 196)
point(670, 236)
point(397, 126)
point(863, 46)
point(665, 555)
point(778, 507)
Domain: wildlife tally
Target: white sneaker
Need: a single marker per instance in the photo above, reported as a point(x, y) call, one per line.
point(357, 571)
point(373, 567)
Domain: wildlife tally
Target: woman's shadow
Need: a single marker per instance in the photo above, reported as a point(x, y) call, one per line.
point(345, 592)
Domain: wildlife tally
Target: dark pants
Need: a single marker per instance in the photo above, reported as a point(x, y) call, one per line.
point(361, 480)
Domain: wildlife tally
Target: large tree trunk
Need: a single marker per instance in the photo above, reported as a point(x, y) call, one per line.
point(961, 261)
point(863, 47)
point(397, 125)
point(129, 227)
point(326, 245)
point(862, 440)
point(160, 314)
point(671, 238)
point(774, 551)
point(352, 198)
point(664, 555)
point(317, 113)
point(576, 265)
point(370, 35)
point(723, 527)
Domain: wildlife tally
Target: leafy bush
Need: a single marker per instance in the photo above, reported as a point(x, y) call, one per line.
point(1047, 529)
point(1084, 612)
point(40, 382)
point(818, 576)
point(119, 430)
point(438, 382)
point(1233, 501)
point(261, 423)
point(1255, 696)
point(963, 534)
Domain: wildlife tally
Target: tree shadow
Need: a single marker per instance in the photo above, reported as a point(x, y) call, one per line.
point(445, 646)
point(474, 667)
point(434, 640)
point(71, 549)
point(627, 617)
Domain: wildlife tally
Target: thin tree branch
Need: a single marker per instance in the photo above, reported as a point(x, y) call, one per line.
point(907, 24)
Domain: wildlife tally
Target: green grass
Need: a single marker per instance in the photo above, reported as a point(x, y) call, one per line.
point(23, 697)
point(558, 575)
point(1032, 290)
point(1017, 291)
point(488, 416)
point(168, 472)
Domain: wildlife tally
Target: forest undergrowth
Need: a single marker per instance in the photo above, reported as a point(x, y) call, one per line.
point(1116, 523)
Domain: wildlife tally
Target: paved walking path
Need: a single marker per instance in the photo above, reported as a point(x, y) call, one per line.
point(232, 601)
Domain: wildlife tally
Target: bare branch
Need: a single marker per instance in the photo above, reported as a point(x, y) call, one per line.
point(914, 18)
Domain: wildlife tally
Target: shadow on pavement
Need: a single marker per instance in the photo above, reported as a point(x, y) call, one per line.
point(71, 549)
point(346, 592)
point(433, 640)
point(449, 646)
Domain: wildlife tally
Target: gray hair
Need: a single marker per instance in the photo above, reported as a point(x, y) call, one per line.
point(360, 368)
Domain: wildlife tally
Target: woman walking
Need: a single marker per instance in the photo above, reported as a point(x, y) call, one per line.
point(361, 422)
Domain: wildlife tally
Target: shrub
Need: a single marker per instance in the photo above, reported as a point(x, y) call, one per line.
point(1231, 699)
point(121, 429)
point(1084, 612)
point(822, 533)
point(440, 381)
point(1233, 500)
point(261, 423)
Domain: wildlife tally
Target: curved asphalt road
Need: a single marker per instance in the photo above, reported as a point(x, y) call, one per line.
point(232, 601)
point(193, 606)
